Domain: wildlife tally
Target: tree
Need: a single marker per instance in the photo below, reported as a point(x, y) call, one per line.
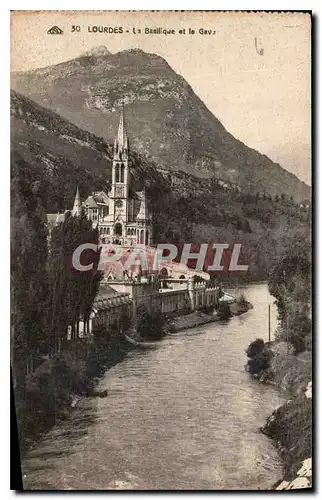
point(260, 362)
point(223, 311)
point(290, 284)
point(299, 327)
point(29, 290)
point(289, 270)
point(255, 348)
point(72, 291)
point(149, 324)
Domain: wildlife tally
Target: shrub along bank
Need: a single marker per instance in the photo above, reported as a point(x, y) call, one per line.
point(51, 389)
point(287, 362)
point(291, 424)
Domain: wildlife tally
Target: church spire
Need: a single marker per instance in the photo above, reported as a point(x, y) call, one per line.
point(77, 204)
point(121, 143)
point(121, 136)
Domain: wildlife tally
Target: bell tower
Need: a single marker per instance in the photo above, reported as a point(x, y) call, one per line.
point(120, 175)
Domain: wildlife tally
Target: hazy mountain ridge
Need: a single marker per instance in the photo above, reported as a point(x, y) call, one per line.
point(166, 121)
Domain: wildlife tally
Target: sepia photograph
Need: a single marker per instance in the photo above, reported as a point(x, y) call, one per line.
point(161, 250)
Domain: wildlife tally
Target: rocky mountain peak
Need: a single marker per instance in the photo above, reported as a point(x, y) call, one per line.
point(167, 122)
point(98, 51)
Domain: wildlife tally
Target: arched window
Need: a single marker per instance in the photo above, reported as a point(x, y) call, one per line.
point(107, 230)
point(117, 173)
point(122, 173)
point(142, 237)
point(182, 277)
point(147, 237)
point(164, 273)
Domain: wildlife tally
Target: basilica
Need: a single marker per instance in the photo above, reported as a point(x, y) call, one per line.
point(121, 215)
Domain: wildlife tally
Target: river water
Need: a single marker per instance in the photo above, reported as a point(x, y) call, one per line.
point(184, 415)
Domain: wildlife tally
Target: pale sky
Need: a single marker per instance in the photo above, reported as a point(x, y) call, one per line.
point(263, 100)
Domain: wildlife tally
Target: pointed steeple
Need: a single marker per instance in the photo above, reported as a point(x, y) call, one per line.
point(77, 204)
point(121, 135)
point(120, 165)
point(121, 142)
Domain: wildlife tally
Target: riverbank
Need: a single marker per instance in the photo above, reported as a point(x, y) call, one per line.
point(290, 425)
point(156, 429)
point(53, 389)
point(199, 318)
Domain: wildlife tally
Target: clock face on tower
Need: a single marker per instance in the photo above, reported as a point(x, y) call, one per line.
point(119, 203)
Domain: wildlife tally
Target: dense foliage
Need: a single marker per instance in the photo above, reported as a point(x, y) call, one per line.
point(291, 427)
point(290, 284)
point(47, 294)
point(255, 348)
point(195, 211)
point(72, 292)
point(260, 356)
point(29, 287)
point(150, 324)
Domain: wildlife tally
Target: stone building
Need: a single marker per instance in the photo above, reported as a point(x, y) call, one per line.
point(121, 215)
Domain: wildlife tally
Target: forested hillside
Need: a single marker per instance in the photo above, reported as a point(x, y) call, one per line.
point(59, 156)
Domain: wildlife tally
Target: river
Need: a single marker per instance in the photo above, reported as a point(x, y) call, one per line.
point(184, 415)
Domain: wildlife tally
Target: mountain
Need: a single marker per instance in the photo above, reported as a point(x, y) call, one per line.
point(59, 156)
point(166, 120)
